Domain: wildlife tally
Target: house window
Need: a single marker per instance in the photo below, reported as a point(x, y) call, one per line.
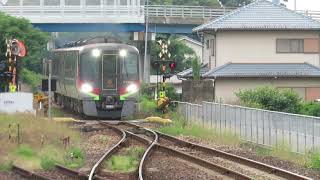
point(290, 45)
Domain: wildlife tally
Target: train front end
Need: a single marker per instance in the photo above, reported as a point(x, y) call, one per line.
point(109, 81)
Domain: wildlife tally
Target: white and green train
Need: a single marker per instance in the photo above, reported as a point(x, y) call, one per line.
point(99, 79)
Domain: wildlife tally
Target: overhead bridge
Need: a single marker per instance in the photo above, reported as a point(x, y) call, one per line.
point(113, 15)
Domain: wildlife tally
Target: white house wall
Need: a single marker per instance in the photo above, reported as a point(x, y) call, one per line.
point(257, 47)
point(225, 89)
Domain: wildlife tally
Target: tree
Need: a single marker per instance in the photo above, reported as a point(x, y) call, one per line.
point(34, 39)
point(235, 3)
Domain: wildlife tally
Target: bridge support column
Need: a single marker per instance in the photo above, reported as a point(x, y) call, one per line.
point(145, 67)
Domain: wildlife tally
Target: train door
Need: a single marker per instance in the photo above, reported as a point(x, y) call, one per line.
point(110, 73)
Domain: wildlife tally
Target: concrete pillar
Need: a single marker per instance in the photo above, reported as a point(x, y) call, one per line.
point(146, 69)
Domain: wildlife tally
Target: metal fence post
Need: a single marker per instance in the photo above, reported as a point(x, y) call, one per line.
point(297, 134)
point(269, 128)
point(263, 127)
point(305, 134)
point(313, 124)
point(211, 115)
point(290, 133)
point(257, 125)
point(251, 125)
point(276, 130)
point(245, 123)
point(220, 113)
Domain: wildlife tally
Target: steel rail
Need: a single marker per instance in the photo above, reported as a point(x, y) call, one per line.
point(241, 160)
point(113, 149)
point(201, 162)
point(146, 153)
point(28, 174)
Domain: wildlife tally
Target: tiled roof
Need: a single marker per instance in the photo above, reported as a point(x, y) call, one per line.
point(261, 15)
point(188, 72)
point(264, 70)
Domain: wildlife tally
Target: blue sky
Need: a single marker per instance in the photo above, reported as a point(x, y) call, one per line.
point(305, 4)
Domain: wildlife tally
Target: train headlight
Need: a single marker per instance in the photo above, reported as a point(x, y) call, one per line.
point(96, 52)
point(132, 88)
point(86, 88)
point(123, 53)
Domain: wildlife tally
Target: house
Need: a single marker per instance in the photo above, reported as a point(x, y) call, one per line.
point(193, 44)
point(262, 44)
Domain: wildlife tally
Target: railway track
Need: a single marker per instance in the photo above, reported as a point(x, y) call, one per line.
point(225, 163)
point(155, 153)
point(59, 172)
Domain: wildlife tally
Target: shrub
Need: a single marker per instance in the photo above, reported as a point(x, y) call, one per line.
point(171, 93)
point(311, 109)
point(47, 163)
point(271, 99)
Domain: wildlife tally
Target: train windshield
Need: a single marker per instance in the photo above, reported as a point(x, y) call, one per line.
point(130, 66)
point(89, 67)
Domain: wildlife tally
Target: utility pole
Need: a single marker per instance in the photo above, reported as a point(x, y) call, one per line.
point(295, 5)
point(146, 62)
point(49, 88)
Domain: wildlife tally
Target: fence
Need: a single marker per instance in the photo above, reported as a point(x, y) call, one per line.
point(268, 128)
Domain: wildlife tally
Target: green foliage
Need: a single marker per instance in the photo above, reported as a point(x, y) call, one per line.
point(31, 78)
point(47, 163)
point(171, 93)
point(136, 151)
point(196, 69)
point(25, 151)
point(34, 39)
point(310, 109)
point(146, 91)
point(75, 158)
point(235, 3)
point(147, 106)
point(103, 139)
point(271, 99)
point(127, 162)
point(6, 166)
point(315, 161)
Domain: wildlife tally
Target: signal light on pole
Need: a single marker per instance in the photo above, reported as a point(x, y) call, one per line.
point(173, 65)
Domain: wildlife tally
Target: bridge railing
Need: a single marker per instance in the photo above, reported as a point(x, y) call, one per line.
point(101, 11)
point(79, 11)
point(186, 11)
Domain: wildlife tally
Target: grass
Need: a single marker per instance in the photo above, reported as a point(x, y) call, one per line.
point(103, 139)
point(40, 143)
point(6, 166)
point(56, 112)
point(127, 162)
point(314, 162)
point(181, 127)
point(74, 158)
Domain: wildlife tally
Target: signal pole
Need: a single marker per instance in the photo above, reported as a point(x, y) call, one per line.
point(49, 88)
point(146, 68)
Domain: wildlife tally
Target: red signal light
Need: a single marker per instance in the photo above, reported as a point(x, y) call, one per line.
point(173, 65)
